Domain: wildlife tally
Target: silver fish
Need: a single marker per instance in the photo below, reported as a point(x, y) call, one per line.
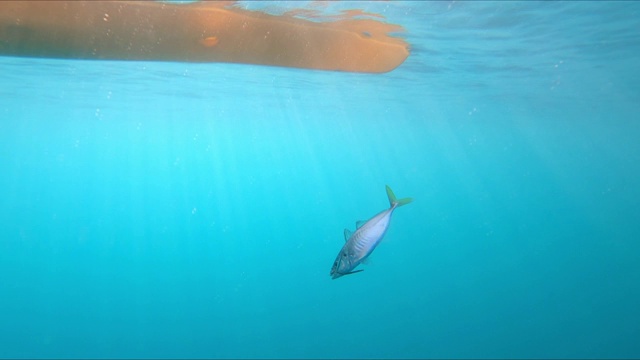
point(361, 243)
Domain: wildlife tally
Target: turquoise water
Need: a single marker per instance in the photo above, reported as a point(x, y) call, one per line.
point(194, 210)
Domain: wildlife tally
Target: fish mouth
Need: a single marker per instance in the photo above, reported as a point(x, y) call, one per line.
point(335, 273)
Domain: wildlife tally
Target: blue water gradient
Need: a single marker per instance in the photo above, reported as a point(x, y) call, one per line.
point(164, 210)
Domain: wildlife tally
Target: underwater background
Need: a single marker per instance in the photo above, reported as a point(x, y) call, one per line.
point(164, 210)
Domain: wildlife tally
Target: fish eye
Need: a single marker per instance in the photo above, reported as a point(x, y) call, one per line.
point(344, 254)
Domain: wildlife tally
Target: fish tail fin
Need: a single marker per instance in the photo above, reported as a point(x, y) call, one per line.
point(393, 201)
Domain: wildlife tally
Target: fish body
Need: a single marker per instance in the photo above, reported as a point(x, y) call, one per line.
point(361, 243)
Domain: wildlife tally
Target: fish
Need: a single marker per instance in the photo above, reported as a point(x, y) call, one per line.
point(368, 234)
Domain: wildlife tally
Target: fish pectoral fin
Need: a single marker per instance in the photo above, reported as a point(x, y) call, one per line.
point(359, 223)
point(352, 272)
point(347, 234)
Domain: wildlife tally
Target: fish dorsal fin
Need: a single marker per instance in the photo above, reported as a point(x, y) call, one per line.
point(347, 234)
point(359, 223)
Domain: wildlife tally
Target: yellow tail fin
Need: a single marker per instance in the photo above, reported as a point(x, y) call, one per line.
point(395, 202)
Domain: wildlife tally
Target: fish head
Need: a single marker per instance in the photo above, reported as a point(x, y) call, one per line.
point(342, 265)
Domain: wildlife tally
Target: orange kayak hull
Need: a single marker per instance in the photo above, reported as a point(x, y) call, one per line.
point(195, 32)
